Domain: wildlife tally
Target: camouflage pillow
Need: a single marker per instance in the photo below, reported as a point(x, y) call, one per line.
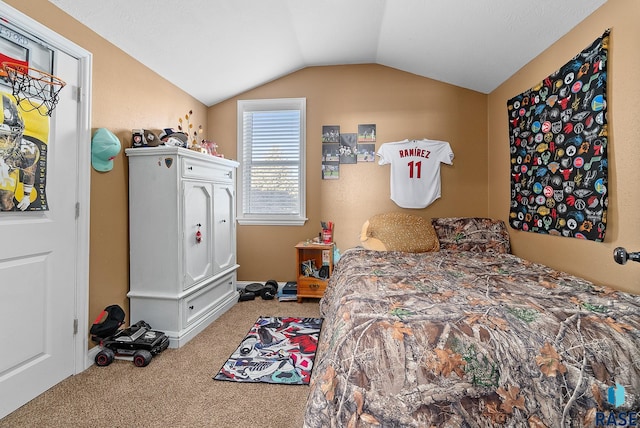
point(475, 234)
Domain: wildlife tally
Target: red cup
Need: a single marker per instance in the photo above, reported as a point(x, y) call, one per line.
point(327, 236)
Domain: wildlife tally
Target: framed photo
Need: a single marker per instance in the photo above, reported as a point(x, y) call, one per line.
point(367, 133)
point(330, 170)
point(366, 152)
point(348, 148)
point(331, 134)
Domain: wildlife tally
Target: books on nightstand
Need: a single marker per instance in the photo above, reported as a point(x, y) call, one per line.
point(290, 287)
point(289, 292)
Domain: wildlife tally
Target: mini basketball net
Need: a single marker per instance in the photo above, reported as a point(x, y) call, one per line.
point(35, 86)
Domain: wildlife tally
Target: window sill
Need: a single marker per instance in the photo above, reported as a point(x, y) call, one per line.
point(271, 221)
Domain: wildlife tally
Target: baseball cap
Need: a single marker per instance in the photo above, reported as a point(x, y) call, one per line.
point(105, 146)
point(167, 133)
point(145, 138)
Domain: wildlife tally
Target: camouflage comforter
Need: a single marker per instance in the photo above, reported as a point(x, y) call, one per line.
point(470, 339)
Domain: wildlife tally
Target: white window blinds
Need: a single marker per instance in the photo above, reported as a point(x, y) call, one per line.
point(271, 146)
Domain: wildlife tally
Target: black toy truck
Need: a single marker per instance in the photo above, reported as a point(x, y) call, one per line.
point(137, 343)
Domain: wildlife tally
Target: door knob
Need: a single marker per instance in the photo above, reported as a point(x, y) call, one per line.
point(620, 255)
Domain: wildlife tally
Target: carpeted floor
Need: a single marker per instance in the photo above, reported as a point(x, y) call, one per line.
point(176, 389)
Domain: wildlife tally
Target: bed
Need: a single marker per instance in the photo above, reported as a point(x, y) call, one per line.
point(470, 335)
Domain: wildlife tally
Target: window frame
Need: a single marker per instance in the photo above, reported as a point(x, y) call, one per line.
point(272, 105)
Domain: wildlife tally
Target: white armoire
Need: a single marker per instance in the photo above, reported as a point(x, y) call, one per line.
point(182, 234)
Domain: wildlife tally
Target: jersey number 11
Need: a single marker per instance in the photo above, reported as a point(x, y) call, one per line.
point(417, 166)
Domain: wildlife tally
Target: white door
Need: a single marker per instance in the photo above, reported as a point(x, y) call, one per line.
point(38, 272)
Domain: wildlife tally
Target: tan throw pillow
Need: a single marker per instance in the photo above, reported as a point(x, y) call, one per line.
point(399, 232)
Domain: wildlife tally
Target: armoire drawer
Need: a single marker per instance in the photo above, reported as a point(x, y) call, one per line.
point(198, 168)
point(201, 302)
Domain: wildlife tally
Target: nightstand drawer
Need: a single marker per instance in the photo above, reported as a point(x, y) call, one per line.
point(311, 287)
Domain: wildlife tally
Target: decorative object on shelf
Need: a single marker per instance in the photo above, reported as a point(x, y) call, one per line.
point(105, 146)
point(211, 148)
point(327, 232)
point(192, 142)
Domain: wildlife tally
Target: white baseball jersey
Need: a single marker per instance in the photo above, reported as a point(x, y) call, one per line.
point(415, 170)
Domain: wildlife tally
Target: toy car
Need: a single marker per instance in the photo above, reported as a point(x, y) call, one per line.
point(137, 343)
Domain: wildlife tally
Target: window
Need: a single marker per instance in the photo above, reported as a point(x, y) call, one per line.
point(271, 151)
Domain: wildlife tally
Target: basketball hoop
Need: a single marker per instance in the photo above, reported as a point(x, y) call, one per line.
point(35, 86)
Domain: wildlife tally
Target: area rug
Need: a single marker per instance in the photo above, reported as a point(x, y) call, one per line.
point(276, 350)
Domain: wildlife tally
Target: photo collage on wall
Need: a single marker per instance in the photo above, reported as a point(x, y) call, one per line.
point(346, 148)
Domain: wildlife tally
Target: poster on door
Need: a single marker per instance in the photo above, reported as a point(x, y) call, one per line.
point(23, 157)
point(24, 131)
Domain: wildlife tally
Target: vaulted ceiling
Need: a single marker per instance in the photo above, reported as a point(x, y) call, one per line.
point(216, 49)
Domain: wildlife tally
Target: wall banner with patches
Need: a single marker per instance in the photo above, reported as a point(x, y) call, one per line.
point(558, 141)
point(24, 131)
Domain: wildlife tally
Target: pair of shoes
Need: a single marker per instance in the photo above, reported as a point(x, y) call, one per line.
point(246, 295)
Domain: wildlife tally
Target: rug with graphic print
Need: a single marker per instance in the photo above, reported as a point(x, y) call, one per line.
point(276, 350)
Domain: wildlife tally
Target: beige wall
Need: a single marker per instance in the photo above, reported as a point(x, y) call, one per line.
point(126, 95)
point(588, 259)
point(402, 105)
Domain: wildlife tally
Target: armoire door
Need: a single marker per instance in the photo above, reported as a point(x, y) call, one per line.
point(224, 227)
point(198, 232)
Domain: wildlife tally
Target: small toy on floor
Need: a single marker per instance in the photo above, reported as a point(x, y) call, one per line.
point(138, 343)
